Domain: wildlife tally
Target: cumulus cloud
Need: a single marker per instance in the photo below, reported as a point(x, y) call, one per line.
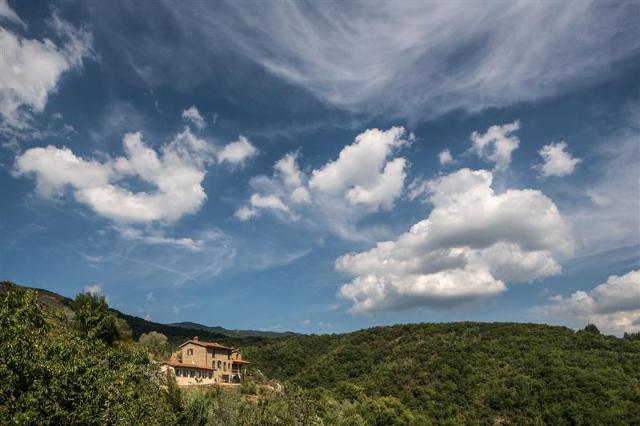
point(193, 116)
point(613, 306)
point(424, 59)
point(293, 178)
point(496, 144)
point(556, 160)
point(363, 172)
point(237, 152)
point(31, 69)
point(471, 245)
point(287, 187)
point(246, 213)
point(268, 202)
point(445, 157)
point(363, 179)
point(175, 171)
point(259, 202)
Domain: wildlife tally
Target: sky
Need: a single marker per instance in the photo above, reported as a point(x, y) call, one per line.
point(325, 168)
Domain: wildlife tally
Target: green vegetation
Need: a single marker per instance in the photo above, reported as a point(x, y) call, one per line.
point(468, 373)
point(156, 344)
point(57, 371)
point(75, 362)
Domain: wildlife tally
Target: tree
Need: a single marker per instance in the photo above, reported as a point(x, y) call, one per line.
point(174, 395)
point(93, 318)
point(54, 373)
point(156, 343)
point(591, 328)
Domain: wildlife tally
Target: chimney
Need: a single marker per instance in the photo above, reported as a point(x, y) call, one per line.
point(196, 338)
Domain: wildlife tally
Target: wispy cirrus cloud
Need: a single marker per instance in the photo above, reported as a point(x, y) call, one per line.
point(418, 59)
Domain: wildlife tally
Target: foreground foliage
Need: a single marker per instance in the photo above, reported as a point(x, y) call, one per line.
point(59, 371)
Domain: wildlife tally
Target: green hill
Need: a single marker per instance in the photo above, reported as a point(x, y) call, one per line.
point(470, 373)
point(455, 373)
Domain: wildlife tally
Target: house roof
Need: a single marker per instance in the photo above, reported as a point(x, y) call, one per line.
point(198, 342)
point(240, 361)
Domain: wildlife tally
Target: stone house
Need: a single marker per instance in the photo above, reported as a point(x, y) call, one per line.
point(206, 363)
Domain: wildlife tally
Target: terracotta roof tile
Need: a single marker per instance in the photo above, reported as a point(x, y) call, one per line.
point(206, 344)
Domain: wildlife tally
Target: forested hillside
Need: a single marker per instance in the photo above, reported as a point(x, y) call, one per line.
point(77, 362)
point(471, 372)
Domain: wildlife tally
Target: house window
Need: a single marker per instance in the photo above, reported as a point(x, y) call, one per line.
point(219, 364)
point(192, 373)
point(178, 372)
point(189, 351)
point(210, 374)
point(224, 366)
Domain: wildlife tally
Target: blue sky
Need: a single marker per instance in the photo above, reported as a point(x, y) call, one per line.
point(282, 166)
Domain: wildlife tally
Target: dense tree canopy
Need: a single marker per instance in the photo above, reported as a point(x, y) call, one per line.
point(468, 372)
point(55, 373)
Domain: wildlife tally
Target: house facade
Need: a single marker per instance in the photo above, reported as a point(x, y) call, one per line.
point(206, 363)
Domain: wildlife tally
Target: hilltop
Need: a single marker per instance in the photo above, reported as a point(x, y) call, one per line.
point(176, 333)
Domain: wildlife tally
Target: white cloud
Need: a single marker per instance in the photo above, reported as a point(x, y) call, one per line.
point(9, 14)
point(158, 238)
point(287, 187)
point(56, 168)
point(93, 289)
point(300, 195)
point(176, 172)
point(336, 196)
point(423, 58)
point(613, 306)
point(445, 157)
point(557, 161)
point(193, 115)
point(363, 173)
point(473, 242)
point(245, 213)
point(293, 178)
point(237, 152)
point(496, 144)
point(31, 69)
point(268, 202)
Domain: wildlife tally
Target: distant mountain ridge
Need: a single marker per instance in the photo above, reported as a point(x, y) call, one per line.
point(233, 333)
point(176, 332)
